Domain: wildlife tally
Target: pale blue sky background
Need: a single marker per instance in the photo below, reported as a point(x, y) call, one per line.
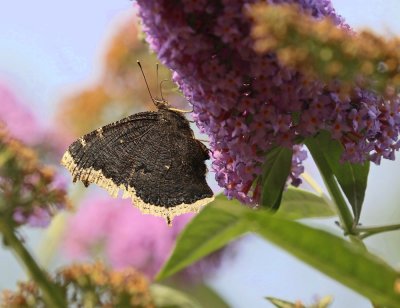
point(49, 47)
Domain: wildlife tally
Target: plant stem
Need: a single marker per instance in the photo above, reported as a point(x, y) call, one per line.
point(345, 216)
point(344, 213)
point(368, 231)
point(52, 295)
point(343, 210)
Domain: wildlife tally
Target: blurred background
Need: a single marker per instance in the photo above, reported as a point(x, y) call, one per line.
point(68, 67)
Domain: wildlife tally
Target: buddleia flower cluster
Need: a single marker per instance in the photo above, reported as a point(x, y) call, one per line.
point(30, 193)
point(248, 103)
point(87, 285)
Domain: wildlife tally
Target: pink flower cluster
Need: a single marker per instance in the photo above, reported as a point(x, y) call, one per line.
point(44, 190)
point(19, 120)
point(39, 216)
point(116, 230)
point(248, 103)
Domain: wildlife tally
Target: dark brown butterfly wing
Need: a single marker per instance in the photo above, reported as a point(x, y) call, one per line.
point(151, 156)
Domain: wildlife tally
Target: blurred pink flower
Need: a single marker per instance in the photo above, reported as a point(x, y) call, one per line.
point(122, 233)
point(20, 121)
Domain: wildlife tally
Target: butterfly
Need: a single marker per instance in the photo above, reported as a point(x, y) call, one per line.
point(152, 157)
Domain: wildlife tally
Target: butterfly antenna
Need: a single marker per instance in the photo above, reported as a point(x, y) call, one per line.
point(145, 80)
point(173, 109)
point(161, 83)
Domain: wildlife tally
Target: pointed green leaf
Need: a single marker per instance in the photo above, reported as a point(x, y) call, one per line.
point(166, 297)
point(275, 173)
point(331, 255)
point(352, 178)
point(224, 221)
point(298, 203)
point(346, 217)
point(214, 227)
point(205, 295)
point(208, 297)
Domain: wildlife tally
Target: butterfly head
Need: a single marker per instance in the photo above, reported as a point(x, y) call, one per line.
point(160, 103)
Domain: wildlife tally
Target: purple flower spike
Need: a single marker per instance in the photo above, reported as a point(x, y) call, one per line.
point(247, 103)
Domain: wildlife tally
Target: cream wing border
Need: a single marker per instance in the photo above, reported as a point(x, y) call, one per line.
point(97, 177)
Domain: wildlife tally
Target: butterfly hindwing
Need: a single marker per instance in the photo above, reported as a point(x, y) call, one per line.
point(171, 170)
point(151, 156)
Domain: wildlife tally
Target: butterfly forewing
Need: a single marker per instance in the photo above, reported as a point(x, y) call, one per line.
point(151, 156)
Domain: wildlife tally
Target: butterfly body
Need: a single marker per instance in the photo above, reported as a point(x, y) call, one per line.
point(152, 157)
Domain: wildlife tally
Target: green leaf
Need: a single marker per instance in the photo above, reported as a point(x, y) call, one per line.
point(275, 173)
point(352, 178)
point(331, 255)
point(223, 221)
point(298, 203)
point(346, 217)
point(214, 227)
point(208, 297)
point(166, 297)
point(200, 292)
